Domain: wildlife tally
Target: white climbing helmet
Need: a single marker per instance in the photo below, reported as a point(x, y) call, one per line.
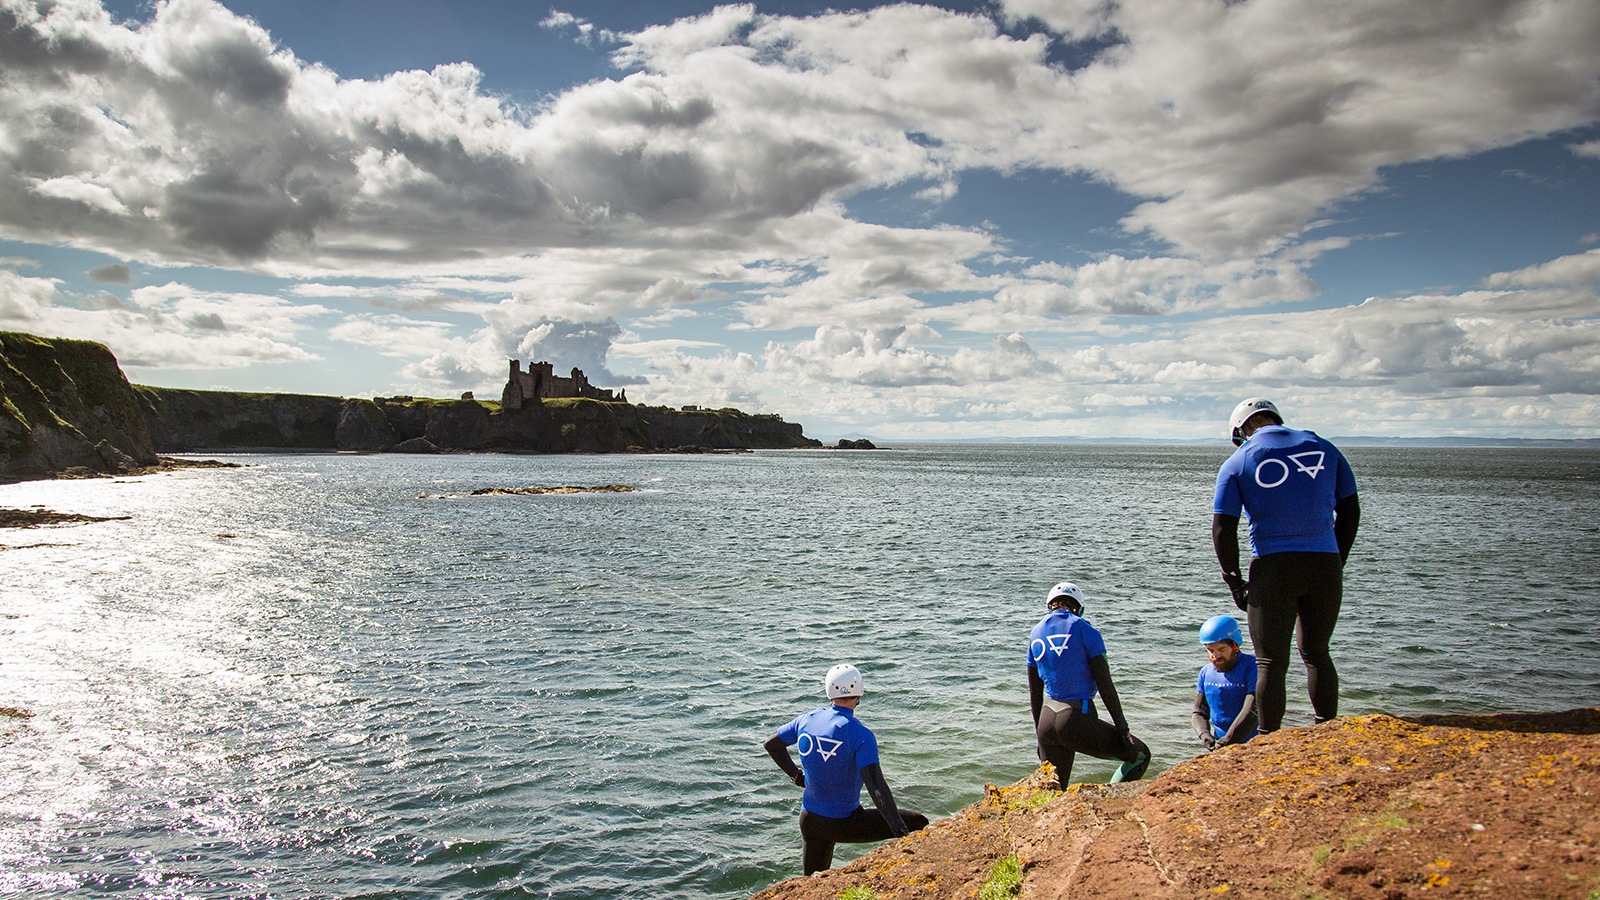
point(1066, 589)
point(1245, 410)
point(844, 680)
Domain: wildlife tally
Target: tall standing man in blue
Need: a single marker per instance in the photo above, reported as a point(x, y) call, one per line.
point(1300, 495)
point(838, 755)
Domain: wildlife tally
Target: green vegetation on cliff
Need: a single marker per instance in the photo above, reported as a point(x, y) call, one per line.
point(65, 405)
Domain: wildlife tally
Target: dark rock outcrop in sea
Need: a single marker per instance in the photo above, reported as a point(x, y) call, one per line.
point(68, 406)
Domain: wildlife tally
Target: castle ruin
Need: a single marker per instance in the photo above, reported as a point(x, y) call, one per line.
point(541, 383)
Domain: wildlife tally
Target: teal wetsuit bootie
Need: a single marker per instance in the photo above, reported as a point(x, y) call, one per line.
point(1133, 769)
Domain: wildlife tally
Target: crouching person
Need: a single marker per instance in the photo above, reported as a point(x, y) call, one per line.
point(838, 756)
point(1225, 692)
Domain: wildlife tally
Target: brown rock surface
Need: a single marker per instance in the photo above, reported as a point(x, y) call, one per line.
point(1366, 807)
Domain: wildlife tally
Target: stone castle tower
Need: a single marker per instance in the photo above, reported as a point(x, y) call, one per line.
point(541, 383)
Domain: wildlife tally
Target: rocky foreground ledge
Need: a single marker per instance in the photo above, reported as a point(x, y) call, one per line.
point(1366, 807)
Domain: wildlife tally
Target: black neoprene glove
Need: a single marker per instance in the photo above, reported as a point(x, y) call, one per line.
point(1239, 588)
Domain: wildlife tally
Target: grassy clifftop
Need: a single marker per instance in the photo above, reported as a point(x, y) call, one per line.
point(66, 405)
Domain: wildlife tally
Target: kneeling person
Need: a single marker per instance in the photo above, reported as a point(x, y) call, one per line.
point(1066, 668)
point(1225, 692)
point(839, 756)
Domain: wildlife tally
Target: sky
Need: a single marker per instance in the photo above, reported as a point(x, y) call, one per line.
point(995, 220)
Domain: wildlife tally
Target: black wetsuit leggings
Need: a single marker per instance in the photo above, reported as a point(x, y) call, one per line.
point(1066, 730)
point(819, 833)
point(1295, 594)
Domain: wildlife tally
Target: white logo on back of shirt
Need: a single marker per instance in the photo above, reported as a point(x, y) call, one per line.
point(1310, 462)
point(1056, 643)
point(828, 747)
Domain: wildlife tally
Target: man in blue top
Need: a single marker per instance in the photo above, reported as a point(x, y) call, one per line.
point(1066, 668)
point(1301, 498)
point(839, 756)
point(1225, 691)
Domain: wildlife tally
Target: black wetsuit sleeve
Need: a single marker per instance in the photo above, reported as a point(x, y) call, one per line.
point(1243, 722)
point(779, 751)
point(1346, 519)
point(1225, 543)
point(1101, 670)
point(1201, 717)
point(1035, 694)
point(872, 776)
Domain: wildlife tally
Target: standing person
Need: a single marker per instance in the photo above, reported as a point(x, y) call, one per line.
point(839, 756)
point(1225, 692)
point(1301, 498)
point(1066, 668)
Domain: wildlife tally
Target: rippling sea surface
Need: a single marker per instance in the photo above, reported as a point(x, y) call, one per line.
point(346, 676)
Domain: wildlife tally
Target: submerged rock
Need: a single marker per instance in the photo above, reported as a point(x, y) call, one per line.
point(34, 518)
point(566, 489)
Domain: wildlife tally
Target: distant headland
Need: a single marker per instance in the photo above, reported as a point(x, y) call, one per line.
point(69, 409)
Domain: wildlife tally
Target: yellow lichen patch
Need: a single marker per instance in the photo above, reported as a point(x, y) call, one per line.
point(885, 867)
point(1437, 880)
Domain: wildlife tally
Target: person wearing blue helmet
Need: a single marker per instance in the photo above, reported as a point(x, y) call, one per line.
point(1225, 693)
point(838, 756)
point(1300, 495)
point(1066, 669)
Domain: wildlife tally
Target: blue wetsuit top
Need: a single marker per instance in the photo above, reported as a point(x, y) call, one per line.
point(1225, 693)
point(1060, 648)
point(1288, 481)
point(834, 747)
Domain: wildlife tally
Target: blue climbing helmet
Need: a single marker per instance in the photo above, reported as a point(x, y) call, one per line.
point(1221, 628)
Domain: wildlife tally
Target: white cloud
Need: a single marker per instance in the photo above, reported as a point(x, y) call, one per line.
point(1578, 268)
point(396, 336)
point(167, 326)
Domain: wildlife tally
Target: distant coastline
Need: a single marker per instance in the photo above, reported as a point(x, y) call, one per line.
point(69, 409)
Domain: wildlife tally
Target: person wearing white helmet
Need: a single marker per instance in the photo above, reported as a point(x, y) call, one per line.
point(1300, 495)
point(838, 756)
point(1225, 692)
point(1066, 668)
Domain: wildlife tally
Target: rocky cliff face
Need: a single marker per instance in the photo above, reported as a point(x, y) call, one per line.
point(190, 421)
point(65, 405)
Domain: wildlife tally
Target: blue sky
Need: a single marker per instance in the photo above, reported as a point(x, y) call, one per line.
point(916, 221)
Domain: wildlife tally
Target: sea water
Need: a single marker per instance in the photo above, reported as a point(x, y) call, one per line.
point(343, 676)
